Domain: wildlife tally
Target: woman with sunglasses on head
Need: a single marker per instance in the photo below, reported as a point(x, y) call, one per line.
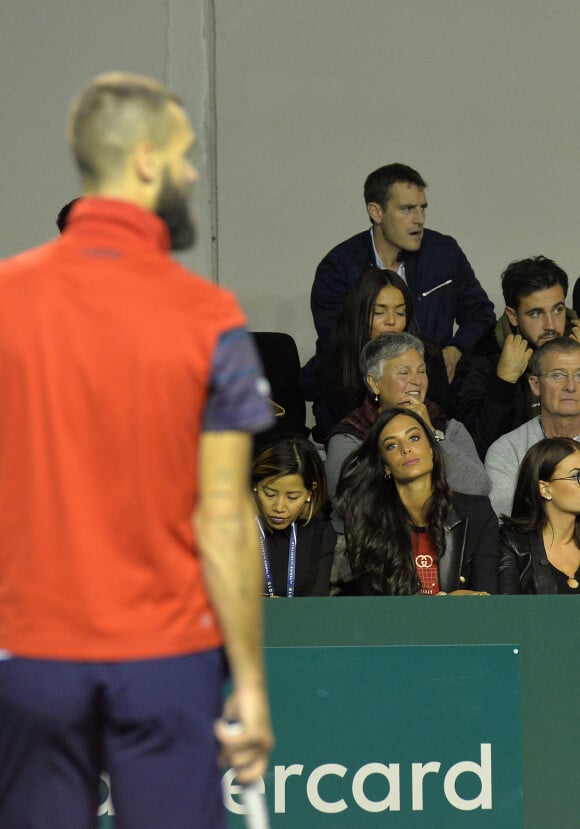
point(405, 531)
point(540, 541)
point(296, 539)
point(378, 303)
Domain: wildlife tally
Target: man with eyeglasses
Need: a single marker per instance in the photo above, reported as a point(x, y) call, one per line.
point(492, 393)
point(554, 378)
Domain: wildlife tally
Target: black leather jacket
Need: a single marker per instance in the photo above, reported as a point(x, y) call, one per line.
point(470, 560)
point(523, 564)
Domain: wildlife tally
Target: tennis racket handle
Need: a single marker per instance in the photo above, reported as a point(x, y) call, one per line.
point(253, 798)
point(254, 802)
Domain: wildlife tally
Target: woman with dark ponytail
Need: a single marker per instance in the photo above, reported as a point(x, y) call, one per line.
point(378, 303)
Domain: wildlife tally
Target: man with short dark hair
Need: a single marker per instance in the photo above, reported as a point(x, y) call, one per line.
point(444, 288)
point(492, 393)
point(446, 293)
point(129, 557)
point(554, 378)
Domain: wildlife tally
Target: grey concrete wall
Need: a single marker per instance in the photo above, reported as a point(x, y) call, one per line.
point(314, 94)
point(294, 104)
point(47, 51)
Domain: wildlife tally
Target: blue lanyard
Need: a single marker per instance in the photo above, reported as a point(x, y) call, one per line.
point(291, 561)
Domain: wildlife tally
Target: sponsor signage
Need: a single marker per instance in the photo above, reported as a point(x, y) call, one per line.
point(424, 737)
point(402, 737)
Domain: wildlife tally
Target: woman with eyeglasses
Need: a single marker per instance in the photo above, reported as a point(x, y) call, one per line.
point(540, 541)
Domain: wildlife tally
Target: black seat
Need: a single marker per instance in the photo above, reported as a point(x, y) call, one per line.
point(281, 363)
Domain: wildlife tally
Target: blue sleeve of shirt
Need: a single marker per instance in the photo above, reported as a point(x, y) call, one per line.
point(238, 398)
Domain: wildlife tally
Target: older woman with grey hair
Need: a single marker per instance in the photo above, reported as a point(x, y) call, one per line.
point(393, 367)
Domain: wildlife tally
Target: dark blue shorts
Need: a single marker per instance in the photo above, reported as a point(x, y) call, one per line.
point(149, 723)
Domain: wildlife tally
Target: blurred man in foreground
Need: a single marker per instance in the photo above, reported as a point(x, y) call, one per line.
point(128, 550)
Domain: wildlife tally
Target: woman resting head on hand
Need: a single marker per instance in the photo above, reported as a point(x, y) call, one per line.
point(296, 540)
point(378, 303)
point(405, 531)
point(394, 369)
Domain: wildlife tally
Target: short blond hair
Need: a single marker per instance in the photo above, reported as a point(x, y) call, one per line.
point(111, 115)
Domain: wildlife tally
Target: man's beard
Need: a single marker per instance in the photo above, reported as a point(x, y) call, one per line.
point(172, 207)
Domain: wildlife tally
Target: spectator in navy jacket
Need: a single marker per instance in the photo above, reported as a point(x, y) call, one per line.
point(444, 288)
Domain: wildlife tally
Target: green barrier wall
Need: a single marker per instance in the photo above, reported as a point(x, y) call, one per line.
point(547, 630)
point(413, 737)
point(544, 628)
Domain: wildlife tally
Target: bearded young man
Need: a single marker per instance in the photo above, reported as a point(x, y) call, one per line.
point(492, 393)
point(129, 559)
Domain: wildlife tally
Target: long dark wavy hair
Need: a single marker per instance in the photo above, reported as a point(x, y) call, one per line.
point(539, 463)
point(377, 525)
point(353, 327)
